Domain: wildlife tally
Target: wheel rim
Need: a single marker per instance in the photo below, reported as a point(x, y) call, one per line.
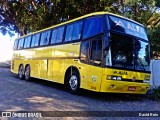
point(73, 82)
point(21, 72)
point(27, 73)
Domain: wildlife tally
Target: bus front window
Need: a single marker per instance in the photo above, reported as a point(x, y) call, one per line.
point(129, 53)
point(122, 51)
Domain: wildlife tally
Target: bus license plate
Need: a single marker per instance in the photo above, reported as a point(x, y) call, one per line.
point(131, 88)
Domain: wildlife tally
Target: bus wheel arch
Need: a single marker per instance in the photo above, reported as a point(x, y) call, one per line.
point(21, 72)
point(27, 72)
point(72, 79)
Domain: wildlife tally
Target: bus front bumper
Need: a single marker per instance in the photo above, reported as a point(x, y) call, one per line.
point(124, 87)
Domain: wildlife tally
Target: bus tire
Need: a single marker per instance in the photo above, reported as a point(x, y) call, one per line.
point(27, 73)
point(21, 72)
point(73, 82)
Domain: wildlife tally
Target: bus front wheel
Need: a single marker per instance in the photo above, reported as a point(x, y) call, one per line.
point(21, 72)
point(73, 82)
point(27, 73)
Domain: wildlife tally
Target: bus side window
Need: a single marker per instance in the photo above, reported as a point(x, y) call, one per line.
point(54, 36)
point(84, 51)
point(92, 26)
point(35, 40)
point(96, 51)
point(45, 38)
point(77, 30)
point(60, 33)
point(20, 44)
point(73, 31)
point(27, 42)
point(69, 31)
point(15, 44)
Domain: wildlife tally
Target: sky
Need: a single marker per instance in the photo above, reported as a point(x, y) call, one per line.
point(6, 47)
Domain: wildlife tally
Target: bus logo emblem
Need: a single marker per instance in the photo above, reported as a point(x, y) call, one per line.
point(133, 79)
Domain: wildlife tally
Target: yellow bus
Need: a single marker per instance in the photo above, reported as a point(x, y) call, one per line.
point(101, 52)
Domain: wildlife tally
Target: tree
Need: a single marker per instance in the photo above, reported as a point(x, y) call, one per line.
point(30, 15)
point(140, 10)
point(154, 21)
point(154, 36)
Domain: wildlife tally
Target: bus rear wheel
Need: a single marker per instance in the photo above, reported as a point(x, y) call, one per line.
point(27, 73)
point(73, 82)
point(21, 72)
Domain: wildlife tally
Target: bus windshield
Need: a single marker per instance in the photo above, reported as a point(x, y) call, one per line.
point(129, 53)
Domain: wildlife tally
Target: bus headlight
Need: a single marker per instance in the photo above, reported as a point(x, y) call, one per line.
point(146, 81)
point(114, 78)
point(119, 78)
point(110, 77)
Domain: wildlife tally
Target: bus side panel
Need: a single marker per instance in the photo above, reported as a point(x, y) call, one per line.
point(56, 63)
point(15, 66)
point(95, 77)
point(50, 69)
point(18, 58)
point(34, 62)
point(58, 70)
point(84, 72)
point(43, 68)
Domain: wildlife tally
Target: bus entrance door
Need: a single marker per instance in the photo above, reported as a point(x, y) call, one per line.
point(95, 69)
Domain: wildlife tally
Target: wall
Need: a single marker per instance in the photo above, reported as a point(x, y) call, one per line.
point(155, 76)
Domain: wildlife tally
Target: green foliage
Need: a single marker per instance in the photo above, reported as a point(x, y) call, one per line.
point(154, 37)
point(154, 21)
point(158, 3)
point(156, 93)
point(139, 10)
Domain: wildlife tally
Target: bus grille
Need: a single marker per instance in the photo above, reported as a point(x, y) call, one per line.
point(130, 80)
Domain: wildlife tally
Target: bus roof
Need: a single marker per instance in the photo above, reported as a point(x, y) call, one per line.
point(79, 18)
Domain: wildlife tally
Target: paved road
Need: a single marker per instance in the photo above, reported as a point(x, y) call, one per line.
point(39, 95)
